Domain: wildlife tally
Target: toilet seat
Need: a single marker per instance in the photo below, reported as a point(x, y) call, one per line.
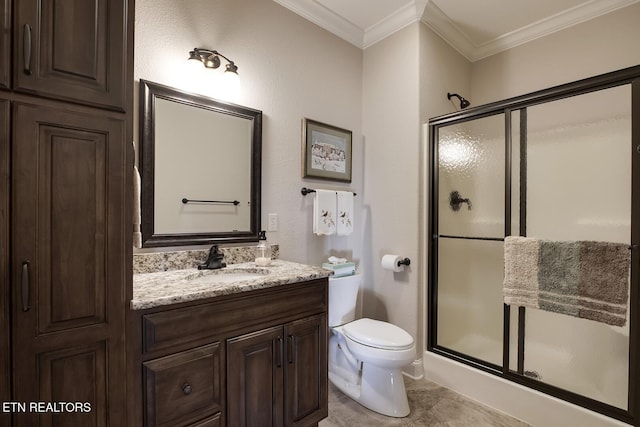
point(378, 334)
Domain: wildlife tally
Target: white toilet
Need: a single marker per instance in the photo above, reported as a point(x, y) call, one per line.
point(366, 356)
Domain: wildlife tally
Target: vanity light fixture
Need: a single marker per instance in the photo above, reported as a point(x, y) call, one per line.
point(211, 59)
point(463, 102)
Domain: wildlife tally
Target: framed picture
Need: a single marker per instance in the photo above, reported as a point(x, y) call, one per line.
point(326, 151)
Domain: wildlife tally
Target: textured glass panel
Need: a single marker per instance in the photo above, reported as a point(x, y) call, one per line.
point(579, 167)
point(513, 338)
point(578, 188)
point(515, 172)
point(471, 162)
point(579, 355)
point(470, 274)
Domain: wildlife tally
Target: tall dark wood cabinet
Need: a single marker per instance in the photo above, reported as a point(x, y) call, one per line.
point(65, 202)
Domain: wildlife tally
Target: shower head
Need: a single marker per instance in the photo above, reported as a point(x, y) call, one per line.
point(463, 102)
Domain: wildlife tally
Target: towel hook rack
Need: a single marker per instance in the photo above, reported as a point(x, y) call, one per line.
point(304, 191)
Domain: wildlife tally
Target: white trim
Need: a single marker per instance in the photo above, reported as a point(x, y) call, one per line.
point(445, 28)
point(399, 19)
point(325, 18)
point(440, 23)
point(550, 25)
point(432, 16)
point(414, 370)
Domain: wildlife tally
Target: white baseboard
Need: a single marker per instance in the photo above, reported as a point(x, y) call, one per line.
point(415, 370)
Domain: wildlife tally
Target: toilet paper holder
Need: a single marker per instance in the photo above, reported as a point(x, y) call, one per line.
point(405, 261)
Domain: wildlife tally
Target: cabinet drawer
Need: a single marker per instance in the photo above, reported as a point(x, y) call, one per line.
point(183, 387)
point(172, 328)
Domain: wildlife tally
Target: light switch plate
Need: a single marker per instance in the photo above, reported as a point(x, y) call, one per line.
point(273, 222)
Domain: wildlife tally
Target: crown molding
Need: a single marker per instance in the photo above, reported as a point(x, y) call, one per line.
point(431, 15)
point(440, 23)
point(327, 19)
point(401, 18)
point(447, 29)
point(320, 15)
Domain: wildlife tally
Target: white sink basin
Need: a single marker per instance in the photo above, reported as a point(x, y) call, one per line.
point(226, 276)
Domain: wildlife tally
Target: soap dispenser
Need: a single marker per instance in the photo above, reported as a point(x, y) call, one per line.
point(263, 251)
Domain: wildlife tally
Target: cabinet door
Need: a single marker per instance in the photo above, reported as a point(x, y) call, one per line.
point(68, 187)
point(306, 373)
point(5, 43)
point(255, 378)
point(73, 50)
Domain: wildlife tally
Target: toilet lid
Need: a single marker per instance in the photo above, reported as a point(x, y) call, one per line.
point(375, 333)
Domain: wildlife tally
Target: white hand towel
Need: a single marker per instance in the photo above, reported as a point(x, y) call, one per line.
point(137, 235)
point(324, 212)
point(345, 212)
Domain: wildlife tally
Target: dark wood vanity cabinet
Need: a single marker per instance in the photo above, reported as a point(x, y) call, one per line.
point(257, 358)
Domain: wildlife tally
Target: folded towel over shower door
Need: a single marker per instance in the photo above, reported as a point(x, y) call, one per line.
point(324, 212)
point(584, 279)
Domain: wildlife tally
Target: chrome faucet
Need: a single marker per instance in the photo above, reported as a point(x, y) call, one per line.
point(214, 260)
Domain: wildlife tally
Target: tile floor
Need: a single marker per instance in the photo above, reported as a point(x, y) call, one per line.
point(431, 406)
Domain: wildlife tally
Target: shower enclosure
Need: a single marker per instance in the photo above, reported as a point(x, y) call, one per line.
point(562, 164)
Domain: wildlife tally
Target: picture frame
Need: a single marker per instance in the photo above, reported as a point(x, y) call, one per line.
point(326, 151)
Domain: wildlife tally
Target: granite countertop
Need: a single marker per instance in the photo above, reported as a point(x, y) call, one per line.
point(176, 286)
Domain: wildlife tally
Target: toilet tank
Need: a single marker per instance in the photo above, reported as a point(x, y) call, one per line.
point(343, 295)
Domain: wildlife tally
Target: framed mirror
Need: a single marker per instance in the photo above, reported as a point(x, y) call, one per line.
point(200, 167)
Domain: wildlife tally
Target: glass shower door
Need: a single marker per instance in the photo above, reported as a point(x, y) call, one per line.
point(557, 169)
point(578, 153)
point(470, 232)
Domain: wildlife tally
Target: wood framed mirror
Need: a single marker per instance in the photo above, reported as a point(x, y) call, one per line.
point(200, 167)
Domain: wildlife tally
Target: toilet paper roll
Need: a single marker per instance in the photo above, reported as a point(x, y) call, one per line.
point(390, 262)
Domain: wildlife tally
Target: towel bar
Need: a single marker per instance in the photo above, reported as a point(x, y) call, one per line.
point(304, 191)
point(185, 201)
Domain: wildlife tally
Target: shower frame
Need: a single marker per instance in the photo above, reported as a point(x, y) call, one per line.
point(625, 76)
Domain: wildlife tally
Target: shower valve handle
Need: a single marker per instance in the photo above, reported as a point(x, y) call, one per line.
point(455, 200)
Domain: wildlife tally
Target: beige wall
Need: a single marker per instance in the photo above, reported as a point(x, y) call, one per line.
point(594, 47)
point(391, 128)
point(406, 78)
point(289, 69)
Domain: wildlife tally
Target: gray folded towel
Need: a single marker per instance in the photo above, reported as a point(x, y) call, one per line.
point(584, 279)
